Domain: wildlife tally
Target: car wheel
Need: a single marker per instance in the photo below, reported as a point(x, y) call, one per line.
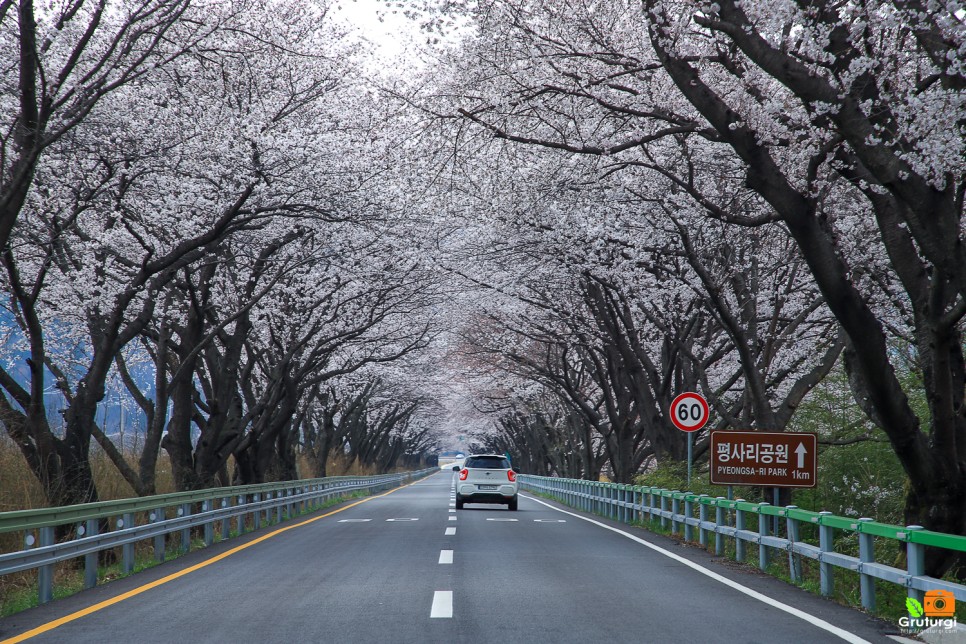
point(459, 502)
point(512, 505)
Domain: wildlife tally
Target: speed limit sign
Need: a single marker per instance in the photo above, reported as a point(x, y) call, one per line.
point(689, 412)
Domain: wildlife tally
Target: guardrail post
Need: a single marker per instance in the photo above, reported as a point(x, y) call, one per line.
point(826, 536)
point(45, 575)
point(719, 518)
point(185, 511)
point(702, 517)
point(127, 550)
point(225, 522)
point(257, 514)
point(688, 512)
point(663, 511)
point(915, 564)
point(794, 559)
point(91, 529)
point(278, 508)
point(739, 526)
point(675, 512)
point(613, 500)
point(156, 516)
point(210, 525)
point(762, 532)
point(866, 555)
point(240, 518)
point(622, 499)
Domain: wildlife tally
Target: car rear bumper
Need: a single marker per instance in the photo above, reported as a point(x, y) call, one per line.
point(472, 493)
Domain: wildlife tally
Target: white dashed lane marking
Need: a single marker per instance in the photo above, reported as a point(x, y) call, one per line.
point(401, 519)
point(354, 520)
point(450, 532)
point(504, 520)
point(445, 556)
point(453, 518)
point(442, 604)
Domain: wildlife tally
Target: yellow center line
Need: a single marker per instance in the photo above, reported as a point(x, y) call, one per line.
point(49, 626)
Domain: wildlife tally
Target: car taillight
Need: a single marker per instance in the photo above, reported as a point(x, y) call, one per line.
point(510, 474)
point(464, 473)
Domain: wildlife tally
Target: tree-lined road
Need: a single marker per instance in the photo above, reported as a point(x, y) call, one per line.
point(407, 567)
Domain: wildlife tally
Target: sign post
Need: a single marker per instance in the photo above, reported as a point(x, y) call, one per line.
point(689, 413)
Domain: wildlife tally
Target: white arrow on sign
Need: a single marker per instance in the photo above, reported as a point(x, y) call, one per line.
point(801, 451)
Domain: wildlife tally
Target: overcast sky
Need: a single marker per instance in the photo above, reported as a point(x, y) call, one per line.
point(390, 33)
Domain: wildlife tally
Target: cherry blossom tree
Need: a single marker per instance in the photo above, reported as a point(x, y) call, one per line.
point(216, 211)
point(840, 121)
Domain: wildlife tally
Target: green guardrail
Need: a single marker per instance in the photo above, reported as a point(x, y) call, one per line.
point(889, 531)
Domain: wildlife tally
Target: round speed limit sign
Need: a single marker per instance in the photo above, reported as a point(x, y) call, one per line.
point(689, 412)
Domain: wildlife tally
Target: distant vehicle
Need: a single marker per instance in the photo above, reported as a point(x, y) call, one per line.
point(487, 478)
point(450, 458)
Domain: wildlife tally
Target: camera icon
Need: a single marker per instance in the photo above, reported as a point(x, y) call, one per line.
point(939, 603)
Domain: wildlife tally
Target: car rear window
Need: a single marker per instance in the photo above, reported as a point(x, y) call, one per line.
point(488, 463)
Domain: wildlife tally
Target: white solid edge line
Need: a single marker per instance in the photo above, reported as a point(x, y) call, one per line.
point(811, 619)
point(445, 556)
point(442, 604)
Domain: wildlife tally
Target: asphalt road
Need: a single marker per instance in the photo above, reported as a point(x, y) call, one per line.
point(407, 567)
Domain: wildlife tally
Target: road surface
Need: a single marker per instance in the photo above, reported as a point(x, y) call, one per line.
point(407, 567)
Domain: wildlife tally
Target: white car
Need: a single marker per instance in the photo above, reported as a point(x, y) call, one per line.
point(487, 478)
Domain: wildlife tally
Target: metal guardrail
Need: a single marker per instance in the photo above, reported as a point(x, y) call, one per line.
point(155, 517)
point(735, 519)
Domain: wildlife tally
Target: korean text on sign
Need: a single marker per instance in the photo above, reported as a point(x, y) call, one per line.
point(753, 452)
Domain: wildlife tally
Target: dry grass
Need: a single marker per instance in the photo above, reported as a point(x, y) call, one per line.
point(340, 465)
point(20, 490)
